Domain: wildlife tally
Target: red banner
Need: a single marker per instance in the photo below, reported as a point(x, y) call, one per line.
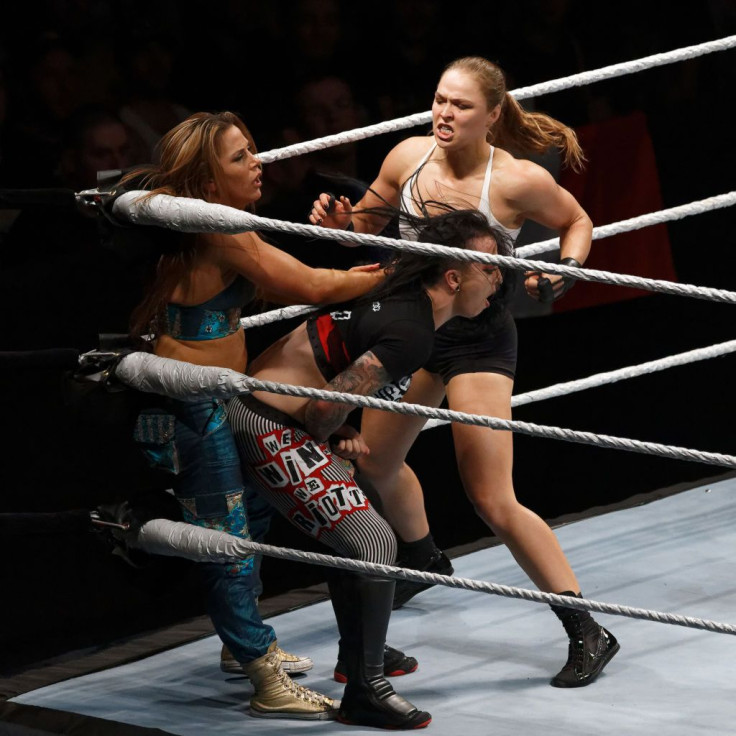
point(620, 181)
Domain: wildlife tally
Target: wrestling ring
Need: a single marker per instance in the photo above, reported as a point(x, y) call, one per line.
point(480, 657)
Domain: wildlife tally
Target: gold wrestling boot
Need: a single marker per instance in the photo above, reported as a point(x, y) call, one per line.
point(290, 663)
point(278, 696)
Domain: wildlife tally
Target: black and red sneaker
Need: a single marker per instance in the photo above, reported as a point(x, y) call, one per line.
point(395, 664)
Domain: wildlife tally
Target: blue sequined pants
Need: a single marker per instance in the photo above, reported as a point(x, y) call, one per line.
point(193, 440)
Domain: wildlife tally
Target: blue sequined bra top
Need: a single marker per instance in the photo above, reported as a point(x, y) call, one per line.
point(217, 317)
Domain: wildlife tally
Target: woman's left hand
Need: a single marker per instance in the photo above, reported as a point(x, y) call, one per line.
point(549, 287)
point(543, 287)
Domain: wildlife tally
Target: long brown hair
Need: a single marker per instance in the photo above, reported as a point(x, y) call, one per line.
point(188, 161)
point(516, 129)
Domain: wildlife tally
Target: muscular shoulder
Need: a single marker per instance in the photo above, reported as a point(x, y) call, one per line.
point(403, 158)
point(520, 179)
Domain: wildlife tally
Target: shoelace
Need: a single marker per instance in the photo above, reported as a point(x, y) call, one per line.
point(577, 654)
point(301, 692)
point(286, 657)
point(576, 647)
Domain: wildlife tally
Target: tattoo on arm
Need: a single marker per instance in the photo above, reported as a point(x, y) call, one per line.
point(364, 376)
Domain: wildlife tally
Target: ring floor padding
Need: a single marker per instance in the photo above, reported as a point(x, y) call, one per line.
point(485, 661)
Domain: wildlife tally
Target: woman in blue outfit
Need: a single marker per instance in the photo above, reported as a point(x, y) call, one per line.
point(192, 309)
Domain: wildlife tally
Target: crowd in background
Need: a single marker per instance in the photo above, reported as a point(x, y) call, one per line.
point(91, 86)
point(300, 69)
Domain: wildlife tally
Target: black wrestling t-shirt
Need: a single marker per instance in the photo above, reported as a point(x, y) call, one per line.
point(398, 330)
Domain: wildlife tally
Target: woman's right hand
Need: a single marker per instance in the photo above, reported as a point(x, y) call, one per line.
point(330, 211)
point(374, 269)
point(347, 443)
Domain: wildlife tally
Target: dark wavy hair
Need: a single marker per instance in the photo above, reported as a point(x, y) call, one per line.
point(456, 228)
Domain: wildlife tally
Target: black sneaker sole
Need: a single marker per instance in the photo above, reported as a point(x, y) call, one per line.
point(419, 720)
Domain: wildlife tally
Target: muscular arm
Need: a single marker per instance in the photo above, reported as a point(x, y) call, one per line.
point(384, 189)
point(364, 376)
point(286, 279)
point(540, 198)
point(537, 196)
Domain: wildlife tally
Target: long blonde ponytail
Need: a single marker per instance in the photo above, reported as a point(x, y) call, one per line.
point(516, 129)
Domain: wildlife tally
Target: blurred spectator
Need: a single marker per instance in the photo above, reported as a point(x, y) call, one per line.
point(44, 90)
point(240, 32)
point(6, 215)
point(414, 48)
point(149, 108)
point(323, 105)
point(3, 111)
point(546, 45)
point(316, 36)
point(95, 140)
point(100, 69)
point(80, 288)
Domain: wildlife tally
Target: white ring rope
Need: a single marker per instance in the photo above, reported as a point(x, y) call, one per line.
point(195, 215)
point(177, 379)
point(175, 538)
point(621, 374)
point(604, 231)
point(536, 90)
point(636, 223)
point(276, 315)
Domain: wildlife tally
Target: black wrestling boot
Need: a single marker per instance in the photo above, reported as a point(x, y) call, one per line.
point(395, 664)
point(362, 607)
point(591, 646)
point(420, 555)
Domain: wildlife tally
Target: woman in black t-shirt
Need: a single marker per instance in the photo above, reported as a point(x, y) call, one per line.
point(291, 445)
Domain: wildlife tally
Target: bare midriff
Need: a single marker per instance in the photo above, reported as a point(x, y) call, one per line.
point(288, 360)
point(223, 352)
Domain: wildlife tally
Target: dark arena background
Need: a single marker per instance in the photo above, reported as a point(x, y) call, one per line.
point(296, 71)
